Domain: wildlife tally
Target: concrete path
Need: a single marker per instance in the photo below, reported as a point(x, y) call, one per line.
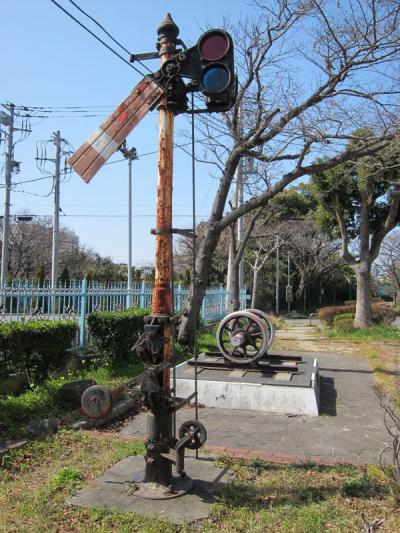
point(350, 426)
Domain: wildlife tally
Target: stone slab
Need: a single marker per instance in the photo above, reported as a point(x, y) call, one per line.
point(110, 491)
point(288, 393)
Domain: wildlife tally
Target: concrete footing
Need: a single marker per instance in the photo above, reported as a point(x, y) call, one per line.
point(291, 393)
point(112, 491)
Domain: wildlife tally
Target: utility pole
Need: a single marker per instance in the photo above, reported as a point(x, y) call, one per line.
point(7, 193)
point(56, 212)
point(240, 222)
point(277, 277)
point(238, 201)
point(233, 246)
point(130, 155)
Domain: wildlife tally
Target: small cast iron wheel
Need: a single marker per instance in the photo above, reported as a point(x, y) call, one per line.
point(196, 431)
point(268, 321)
point(96, 401)
point(242, 337)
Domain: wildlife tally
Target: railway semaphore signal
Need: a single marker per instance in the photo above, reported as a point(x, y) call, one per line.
point(207, 67)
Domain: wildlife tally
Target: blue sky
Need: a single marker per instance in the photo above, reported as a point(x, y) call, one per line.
point(48, 60)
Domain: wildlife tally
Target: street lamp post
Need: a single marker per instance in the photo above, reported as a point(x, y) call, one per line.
point(277, 274)
point(130, 155)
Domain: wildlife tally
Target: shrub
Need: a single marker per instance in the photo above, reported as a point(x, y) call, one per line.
point(115, 332)
point(357, 487)
point(381, 314)
point(344, 322)
point(36, 347)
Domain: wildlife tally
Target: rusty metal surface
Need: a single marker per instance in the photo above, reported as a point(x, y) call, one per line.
point(162, 296)
point(162, 293)
point(92, 155)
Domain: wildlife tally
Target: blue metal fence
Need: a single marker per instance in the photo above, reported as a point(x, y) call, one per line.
point(24, 300)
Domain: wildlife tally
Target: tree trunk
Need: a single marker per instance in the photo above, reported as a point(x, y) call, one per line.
point(233, 271)
point(231, 261)
point(193, 304)
point(256, 282)
point(235, 291)
point(363, 317)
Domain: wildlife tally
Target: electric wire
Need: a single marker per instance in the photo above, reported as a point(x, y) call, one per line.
point(68, 116)
point(99, 25)
point(107, 33)
point(96, 37)
point(50, 109)
point(194, 306)
point(86, 215)
point(65, 172)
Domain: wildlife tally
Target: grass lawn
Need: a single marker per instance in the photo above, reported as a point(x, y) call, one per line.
point(36, 480)
point(42, 401)
point(374, 333)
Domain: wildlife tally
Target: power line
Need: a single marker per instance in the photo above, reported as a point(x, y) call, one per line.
point(100, 26)
point(62, 107)
point(108, 33)
point(66, 116)
point(95, 36)
point(86, 215)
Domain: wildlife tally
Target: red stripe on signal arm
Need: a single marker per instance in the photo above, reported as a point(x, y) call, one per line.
point(86, 161)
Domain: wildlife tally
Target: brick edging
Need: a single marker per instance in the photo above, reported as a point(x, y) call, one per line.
point(240, 453)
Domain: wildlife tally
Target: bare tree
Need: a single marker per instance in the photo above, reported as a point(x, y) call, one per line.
point(391, 419)
point(310, 73)
point(389, 262)
point(313, 254)
point(183, 256)
point(263, 247)
point(236, 252)
point(30, 253)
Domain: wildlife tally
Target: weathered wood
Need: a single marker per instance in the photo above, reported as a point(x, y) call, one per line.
point(93, 153)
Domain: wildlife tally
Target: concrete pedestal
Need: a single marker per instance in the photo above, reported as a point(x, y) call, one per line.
point(112, 491)
point(292, 393)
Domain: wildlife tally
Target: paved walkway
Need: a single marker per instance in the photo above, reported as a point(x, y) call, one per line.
point(350, 426)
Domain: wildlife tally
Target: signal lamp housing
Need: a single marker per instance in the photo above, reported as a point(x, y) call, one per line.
point(210, 66)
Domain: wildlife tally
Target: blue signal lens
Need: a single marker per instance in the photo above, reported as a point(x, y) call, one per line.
point(215, 79)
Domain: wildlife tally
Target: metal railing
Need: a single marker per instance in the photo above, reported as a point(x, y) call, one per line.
point(24, 300)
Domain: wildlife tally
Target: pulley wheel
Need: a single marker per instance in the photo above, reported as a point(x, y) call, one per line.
point(242, 337)
point(96, 401)
point(196, 431)
point(268, 321)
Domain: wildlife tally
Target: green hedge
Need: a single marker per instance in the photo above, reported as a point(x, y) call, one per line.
point(35, 348)
point(381, 314)
point(344, 322)
point(115, 332)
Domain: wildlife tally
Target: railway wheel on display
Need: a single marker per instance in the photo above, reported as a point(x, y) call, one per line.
point(268, 322)
point(242, 337)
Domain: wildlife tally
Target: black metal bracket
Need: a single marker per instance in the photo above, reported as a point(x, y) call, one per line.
point(169, 231)
point(143, 57)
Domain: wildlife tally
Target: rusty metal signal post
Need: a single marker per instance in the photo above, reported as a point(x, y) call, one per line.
point(209, 67)
point(158, 468)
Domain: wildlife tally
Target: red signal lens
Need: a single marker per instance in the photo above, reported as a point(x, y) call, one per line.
point(213, 45)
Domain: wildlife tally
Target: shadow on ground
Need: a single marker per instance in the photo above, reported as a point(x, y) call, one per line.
point(328, 396)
